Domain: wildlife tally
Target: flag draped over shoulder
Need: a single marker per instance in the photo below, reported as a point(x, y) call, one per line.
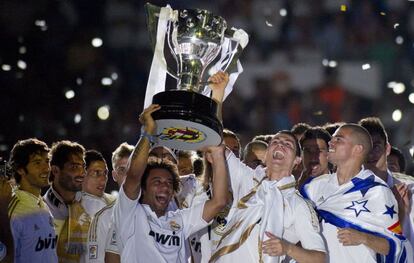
point(365, 204)
point(264, 205)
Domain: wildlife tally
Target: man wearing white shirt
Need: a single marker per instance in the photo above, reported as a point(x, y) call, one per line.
point(360, 222)
point(402, 185)
point(267, 211)
point(103, 224)
point(145, 229)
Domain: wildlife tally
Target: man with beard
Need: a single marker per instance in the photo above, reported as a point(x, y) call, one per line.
point(402, 185)
point(64, 198)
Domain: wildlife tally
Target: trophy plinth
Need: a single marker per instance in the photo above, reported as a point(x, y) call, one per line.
point(187, 120)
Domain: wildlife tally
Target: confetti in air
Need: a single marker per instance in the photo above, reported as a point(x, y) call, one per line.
point(343, 8)
point(382, 13)
point(366, 66)
point(269, 24)
point(396, 25)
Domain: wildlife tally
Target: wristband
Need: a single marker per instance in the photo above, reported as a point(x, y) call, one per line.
point(151, 138)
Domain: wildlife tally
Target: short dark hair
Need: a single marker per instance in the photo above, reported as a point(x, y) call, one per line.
point(362, 136)
point(62, 150)
point(400, 156)
point(21, 152)
point(93, 156)
point(230, 134)
point(375, 127)
point(316, 133)
point(60, 153)
point(158, 163)
point(290, 133)
point(332, 127)
point(300, 128)
point(251, 145)
point(263, 137)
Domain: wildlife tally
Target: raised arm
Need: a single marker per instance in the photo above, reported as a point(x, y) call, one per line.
point(215, 155)
point(218, 83)
point(139, 157)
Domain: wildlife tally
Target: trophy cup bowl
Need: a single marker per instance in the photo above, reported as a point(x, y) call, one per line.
point(187, 119)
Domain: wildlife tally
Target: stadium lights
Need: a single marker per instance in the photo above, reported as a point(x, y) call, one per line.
point(97, 42)
point(103, 112)
point(396, 115)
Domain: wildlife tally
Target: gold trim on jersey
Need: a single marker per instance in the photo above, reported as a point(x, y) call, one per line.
point(230, 248)
point(12, 205)
point(242, 205)
point(94, 224)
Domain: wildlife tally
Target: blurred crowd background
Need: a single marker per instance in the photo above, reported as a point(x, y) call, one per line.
point(64, 61)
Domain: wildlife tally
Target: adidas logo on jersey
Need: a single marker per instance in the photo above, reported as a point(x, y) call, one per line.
point(46, 243)
point(169, 240)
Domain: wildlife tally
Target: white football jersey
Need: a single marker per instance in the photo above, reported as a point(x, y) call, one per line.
point(146, 237)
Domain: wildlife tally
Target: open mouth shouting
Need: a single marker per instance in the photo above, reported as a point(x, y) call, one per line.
point(278, 155)
point(162, 199)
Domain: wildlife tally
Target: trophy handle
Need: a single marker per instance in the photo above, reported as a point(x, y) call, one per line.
point(241, 38)
point(152, 14)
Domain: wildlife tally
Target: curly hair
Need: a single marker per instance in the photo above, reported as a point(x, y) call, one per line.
point(157, 163)
point(21, 152)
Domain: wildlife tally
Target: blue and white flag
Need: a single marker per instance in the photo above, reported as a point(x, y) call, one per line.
point(365, 204)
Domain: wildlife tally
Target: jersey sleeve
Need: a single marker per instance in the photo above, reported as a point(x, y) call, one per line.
point(307, 227)
point(242, 177)
point(111, 245)
point(123, 216)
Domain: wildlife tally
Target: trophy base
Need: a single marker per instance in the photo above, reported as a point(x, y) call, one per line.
point(186, 120)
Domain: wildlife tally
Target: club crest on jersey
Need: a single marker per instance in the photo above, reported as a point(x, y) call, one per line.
point(174, 226)
point(220, 222)
point(93, 251)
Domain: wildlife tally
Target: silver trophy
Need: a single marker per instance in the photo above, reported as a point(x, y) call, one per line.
point(188, 119)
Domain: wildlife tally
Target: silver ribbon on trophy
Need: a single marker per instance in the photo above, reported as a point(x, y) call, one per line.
point(200, 42)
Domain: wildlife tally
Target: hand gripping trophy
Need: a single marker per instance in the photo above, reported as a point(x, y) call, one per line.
point(200, 42)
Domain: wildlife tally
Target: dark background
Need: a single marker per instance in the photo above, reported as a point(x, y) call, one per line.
point(46, 50)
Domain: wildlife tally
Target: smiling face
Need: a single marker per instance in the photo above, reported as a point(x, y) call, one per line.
point(340, 146)
point(281, 152)
point(96, 178)
point(37, 170)
point(158, 190)
point(71, 176)
point(315, 156)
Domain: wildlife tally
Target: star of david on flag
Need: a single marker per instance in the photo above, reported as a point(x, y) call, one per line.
point(358, 207)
